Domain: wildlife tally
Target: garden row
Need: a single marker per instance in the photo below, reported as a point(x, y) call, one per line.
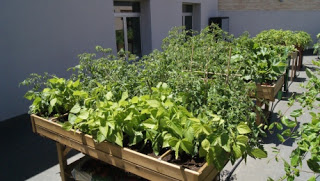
point(194, 97)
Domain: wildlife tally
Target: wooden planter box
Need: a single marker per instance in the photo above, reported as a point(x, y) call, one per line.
point(269, 92)
point(131, 161)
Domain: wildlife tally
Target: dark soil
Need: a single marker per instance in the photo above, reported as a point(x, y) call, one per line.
point(186, 161)
point(145, 149)
point(102, 171)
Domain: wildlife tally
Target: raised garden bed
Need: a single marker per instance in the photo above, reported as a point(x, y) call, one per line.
point(269, 92)
point(129, 160)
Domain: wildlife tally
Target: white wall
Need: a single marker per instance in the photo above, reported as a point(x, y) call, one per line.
point(256, 21)
point(166, 14)
point(46, 36)
point(39, 36)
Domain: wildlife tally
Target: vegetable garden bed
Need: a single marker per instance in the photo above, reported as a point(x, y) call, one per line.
point(129, 160)
point(269, 92)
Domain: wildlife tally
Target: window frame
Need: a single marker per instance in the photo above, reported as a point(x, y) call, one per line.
point(125, 28)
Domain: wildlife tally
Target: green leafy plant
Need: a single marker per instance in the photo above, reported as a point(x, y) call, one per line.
point(307, 136)
point(316, 46)
point(202, 110)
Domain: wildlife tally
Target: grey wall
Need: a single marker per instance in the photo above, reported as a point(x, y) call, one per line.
point(46, 36)
point(256, 21)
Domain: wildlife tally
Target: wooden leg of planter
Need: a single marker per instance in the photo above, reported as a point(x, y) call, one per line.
point(258, 119)
point(300, 59)
point(62, 160)
point(217, 178)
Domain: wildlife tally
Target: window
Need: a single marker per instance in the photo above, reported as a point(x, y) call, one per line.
point(187, 13)
point(127, 24)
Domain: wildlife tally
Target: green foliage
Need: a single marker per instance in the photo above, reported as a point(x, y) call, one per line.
point(316, 46)
point(285, 37)
point(307, 136)
point(203, 108)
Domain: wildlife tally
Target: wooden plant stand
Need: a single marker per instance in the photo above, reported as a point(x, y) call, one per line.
point(267, 93)
point(131, 161)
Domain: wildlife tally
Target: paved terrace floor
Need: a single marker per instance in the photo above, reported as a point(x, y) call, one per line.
point(27, 156)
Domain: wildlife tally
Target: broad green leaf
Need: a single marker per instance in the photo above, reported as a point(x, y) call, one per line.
point(286, 132)
point(176, 148)
point(129, 117)
point(72, 118)
point(109, 96)
point(149, 124)
point(80, 93)
point(119, 139)
point(279, 126)
point(29, 95)
point(314, 165)
point(296, 113)
point(76, 83)
point(309, 73)
point(53, 102)
point(189, 134)
point(135, 100)
point(242, 139)
point(205, 144)
point(160, 112)
point(287, 122)
point(36, 101)
point(138, 137)
point(294, 160)
point(153, 103)
point(243, 128)
point(75, 109)
point(280, 137)
point(104, 130)
point(271, 126)
point(187, 146)
point(100, 137)
point(176, 129)
point(164, 86)
point(237, 151)
point(84, 114)
point(67, 126)
point(124, 96)
point(313, 178)
point(123, 103)
point(173, 141)
point(202, 152)
point(168, 103)
point(258, 153)
point(195, 120)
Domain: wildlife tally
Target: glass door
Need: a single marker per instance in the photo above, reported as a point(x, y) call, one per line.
point(127, 23)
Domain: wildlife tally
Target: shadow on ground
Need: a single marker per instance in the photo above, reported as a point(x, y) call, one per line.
point(272, 134)
point(23, 153)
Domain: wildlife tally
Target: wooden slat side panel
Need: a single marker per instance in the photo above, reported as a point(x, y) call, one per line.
point(122, 153)
point(123, 164)
point(160, 166)
point(33, 124)
point(206, 171)
point(54, 127)
point(78, 136)
point(269, 92)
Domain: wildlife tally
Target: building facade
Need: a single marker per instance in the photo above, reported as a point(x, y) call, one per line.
point(257, 15)
point(39, 36)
